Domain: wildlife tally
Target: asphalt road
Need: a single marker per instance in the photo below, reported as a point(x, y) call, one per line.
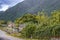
point(4, 36)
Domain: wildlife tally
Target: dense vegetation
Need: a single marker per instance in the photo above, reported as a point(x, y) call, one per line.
point(40, 24)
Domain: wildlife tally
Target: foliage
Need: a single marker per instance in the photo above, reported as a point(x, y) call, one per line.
point(40, 25)
point(29, 30)
point(26, 18)
point(2, 22)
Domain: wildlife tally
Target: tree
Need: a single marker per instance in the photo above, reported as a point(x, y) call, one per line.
point(29, 30)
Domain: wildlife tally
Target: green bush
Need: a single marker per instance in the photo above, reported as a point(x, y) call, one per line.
point(29, 30)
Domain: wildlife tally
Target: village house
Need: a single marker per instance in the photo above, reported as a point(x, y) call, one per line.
point(11, 27)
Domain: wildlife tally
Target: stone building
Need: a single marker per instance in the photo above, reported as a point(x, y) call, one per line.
point(11, 28)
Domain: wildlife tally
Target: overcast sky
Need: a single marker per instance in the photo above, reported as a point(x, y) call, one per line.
point(5, 4)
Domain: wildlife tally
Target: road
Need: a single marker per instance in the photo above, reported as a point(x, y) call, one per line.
point(4, 36)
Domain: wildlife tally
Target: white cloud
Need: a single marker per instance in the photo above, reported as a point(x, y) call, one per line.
point(14, 2)
point(4, 7)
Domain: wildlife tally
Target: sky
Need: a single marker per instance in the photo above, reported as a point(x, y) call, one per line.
point(5, 4)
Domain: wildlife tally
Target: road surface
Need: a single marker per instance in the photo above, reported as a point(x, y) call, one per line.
point(4, 36)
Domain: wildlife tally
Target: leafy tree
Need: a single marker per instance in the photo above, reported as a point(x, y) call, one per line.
point(29, 30)
point(25, 18)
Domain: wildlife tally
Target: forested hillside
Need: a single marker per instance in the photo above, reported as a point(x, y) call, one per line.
point(30, 6)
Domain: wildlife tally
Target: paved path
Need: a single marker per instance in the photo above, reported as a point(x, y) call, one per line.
point(4, 36)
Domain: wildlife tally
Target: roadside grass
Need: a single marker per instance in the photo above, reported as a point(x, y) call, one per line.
point(2, 28)
point(18, 35)
point(36, 39)
point(31, 39)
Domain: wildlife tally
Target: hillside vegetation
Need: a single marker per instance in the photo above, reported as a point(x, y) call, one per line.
point(40, 25)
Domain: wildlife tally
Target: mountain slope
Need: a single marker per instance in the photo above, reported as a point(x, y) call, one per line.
point(31, 6)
